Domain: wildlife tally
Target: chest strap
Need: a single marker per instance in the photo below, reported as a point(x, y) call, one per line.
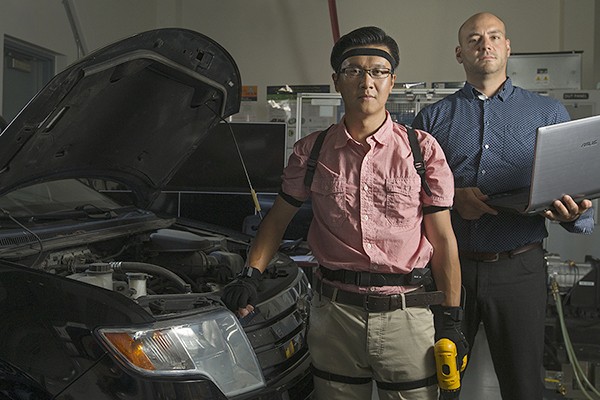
point(418, 276)
point(311, 163)
point(419, 163)
point(418, 158)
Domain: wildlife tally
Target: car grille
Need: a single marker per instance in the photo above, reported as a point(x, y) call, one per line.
point(302, 389)
point(277, 331)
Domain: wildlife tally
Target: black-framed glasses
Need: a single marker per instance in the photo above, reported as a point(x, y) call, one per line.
point(375, 73)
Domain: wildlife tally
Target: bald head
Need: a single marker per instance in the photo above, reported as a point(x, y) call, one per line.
point(483, 50)
point(468, 26)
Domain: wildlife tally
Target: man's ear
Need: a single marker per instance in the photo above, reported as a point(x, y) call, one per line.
point(508, 46)
point(457, 54)
point(335, 78)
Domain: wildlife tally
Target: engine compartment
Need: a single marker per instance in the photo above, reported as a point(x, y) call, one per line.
point(165, 270)
point(165, 261)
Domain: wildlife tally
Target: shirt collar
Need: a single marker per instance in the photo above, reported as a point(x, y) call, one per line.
point(381, 136)
point(504, 93)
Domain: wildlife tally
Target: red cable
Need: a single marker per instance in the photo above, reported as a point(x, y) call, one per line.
point(335, 28)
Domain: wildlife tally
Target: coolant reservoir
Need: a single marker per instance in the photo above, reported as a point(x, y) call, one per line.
point(98, 274)
point(137, 282)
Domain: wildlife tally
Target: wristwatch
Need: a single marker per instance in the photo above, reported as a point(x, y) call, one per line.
point(250, 272)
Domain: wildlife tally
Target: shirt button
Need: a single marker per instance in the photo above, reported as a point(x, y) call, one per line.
point(487, 146)
point(483, 172)
point(369, 245)
point(366, 188)
point(365, 217)
point(372, 289)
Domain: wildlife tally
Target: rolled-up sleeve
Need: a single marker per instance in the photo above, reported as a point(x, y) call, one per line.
point(439, 175)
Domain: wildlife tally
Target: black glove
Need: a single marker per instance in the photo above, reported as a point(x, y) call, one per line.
point(447, 325)
point(242, 290)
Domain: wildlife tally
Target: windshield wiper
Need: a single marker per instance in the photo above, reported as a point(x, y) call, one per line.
point(88, 211)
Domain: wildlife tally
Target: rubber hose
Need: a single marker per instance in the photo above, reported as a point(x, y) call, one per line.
point(151, 269)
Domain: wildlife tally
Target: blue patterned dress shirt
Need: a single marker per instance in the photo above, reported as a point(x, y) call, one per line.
point(489, 144)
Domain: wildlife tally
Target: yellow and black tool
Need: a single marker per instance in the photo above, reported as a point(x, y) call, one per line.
point(448, 372)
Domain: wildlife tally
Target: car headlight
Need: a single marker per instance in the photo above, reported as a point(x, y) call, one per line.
point(211, 344)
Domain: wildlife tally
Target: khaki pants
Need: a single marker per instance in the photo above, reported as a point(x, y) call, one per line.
point(394, 346)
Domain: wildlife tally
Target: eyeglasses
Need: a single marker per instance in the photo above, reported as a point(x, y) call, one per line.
point(375, 73)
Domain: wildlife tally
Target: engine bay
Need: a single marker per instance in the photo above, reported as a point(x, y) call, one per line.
point(165, 270)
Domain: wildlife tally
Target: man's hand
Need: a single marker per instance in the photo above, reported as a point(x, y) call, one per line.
point(241, 295)
point(470, 203)
point(447, 325)
point(567, 210)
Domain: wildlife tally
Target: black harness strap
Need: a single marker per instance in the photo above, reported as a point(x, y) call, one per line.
point(391, 386)
point(418, 158)
point(328, 376)
point(290, 199)
point(417, 276)
point(397, 386)
point(414, 147)
point(311, 164)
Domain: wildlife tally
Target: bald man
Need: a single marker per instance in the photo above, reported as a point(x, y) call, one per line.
point(487, 131)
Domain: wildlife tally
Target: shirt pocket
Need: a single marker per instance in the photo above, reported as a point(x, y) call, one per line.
point(329, 197)
point(402, 199)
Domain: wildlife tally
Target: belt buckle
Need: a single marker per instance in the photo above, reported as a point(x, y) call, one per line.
point(496, 258)
point(392, 301)
point(402, 297)
point(366, 303)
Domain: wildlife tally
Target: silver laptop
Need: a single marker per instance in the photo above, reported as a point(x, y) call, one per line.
point(566, 161)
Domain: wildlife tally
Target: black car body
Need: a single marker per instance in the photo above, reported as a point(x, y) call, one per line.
point(105, 300)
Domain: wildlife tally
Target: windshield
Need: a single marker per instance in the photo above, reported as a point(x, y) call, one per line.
point(54, 196)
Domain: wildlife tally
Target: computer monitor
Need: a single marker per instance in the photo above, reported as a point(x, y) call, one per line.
point(215, 166)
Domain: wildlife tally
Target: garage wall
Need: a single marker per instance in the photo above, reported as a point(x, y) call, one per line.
point(44, 23)
point(289, 41)
point(294, 37)
point(277, 42)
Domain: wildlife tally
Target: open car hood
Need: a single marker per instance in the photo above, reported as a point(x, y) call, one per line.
point(131, 112)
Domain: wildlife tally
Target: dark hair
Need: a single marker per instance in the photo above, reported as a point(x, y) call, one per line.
point(368, 35)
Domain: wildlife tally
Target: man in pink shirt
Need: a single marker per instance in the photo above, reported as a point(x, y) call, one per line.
point(378, 231)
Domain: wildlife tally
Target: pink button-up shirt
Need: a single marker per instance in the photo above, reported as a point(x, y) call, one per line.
point(367, 203)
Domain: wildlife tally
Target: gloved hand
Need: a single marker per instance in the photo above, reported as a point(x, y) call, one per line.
point(242, 290)
point(447, 325)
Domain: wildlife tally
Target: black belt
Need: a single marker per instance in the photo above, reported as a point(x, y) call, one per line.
point(418, 276)
point(379, 303)
point(493, 257)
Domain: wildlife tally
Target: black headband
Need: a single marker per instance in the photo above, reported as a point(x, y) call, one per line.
point(366, 51)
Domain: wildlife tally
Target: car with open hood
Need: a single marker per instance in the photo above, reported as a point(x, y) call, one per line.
point(101, 298)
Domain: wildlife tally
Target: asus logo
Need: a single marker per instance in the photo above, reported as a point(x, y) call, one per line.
point(590, 143)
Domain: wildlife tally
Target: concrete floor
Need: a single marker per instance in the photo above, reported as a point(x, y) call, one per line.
point(480, 381)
